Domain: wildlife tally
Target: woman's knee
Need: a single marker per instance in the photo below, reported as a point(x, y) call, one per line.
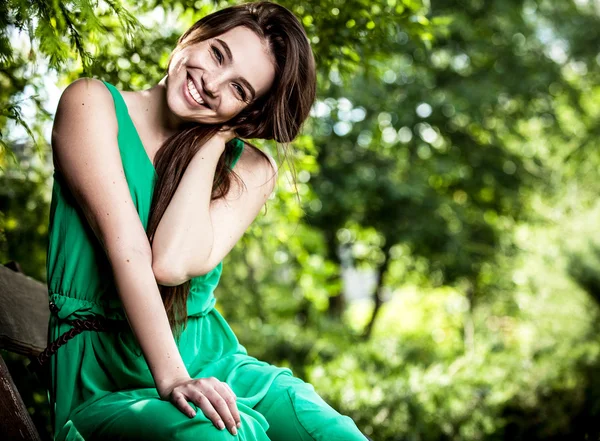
point(295, 411)
point(150, 418)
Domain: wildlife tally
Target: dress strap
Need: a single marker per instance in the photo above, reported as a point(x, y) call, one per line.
point(238, 146)
point(120, 106)
point(128, 130)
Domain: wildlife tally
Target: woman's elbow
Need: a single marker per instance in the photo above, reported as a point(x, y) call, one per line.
point(175, 270)
point(167, 274)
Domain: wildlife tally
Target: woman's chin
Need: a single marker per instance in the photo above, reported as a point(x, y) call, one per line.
point(181, 110)
point(209, 119)
point(183, 113)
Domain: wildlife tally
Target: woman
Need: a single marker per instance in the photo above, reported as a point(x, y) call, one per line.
point(143, 193)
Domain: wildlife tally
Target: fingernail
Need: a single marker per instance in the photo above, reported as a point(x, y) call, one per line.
point(239, 424)
point(221, 425)
point(233, 431)
point(193, 414)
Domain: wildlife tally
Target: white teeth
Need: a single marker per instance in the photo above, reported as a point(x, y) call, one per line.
point(194, 92)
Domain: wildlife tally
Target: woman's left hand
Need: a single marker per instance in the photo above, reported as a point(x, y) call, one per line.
point(226, 134)
point(219, 139)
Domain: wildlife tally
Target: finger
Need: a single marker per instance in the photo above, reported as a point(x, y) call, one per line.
point(208, 409)
point(230, 389)
point(222, 407)
point(226, 130)
point(181, 403)
point(230, 399)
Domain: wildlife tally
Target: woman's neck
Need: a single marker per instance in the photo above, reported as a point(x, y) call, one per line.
point(151, 107)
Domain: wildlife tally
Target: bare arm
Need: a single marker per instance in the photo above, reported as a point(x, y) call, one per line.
point(86, 154)
point(194, 234)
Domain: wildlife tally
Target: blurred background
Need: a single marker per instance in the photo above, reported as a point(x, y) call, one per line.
point(430, 260)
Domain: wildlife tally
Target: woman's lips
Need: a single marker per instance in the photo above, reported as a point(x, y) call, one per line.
point(188, 95)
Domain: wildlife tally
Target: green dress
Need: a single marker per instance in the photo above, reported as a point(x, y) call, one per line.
point(98, 377)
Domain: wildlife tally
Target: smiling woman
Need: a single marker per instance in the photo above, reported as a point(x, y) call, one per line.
point(144, 209)
point(222, 75)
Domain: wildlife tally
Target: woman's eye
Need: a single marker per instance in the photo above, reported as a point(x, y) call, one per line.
point(240, 90)
point(217, 53)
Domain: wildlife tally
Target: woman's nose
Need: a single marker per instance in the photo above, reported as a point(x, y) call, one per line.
point(210, 84)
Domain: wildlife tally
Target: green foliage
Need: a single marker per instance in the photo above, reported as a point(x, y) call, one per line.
point(55, 28)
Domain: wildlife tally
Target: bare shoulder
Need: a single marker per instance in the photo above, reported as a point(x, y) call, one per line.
point(85, 112)
point(82, 92)
point(85, 102)
point(257, 167)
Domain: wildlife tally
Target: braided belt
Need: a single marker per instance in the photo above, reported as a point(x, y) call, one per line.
point(100, 324)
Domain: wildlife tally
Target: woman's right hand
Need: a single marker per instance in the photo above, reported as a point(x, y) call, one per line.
point(214, 397)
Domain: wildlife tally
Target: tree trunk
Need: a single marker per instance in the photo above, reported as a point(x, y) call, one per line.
point(469, 325)
point(336, 301)
point(378, 294)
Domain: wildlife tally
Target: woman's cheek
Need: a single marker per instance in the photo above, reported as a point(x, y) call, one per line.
point(227, 111)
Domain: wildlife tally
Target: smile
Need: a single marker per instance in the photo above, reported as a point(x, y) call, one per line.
point(191, 87)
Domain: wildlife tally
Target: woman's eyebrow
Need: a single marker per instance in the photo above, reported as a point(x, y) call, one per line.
point(226, 49)
point(230, 56)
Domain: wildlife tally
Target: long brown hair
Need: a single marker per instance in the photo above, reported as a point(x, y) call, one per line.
point(277, 115)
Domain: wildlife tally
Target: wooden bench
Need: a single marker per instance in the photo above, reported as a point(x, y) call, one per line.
point(24, 318)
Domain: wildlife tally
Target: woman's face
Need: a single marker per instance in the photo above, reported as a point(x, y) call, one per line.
point(212, 81)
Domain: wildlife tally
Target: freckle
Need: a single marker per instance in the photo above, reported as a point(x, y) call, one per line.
point(127, 260)
point(83, 104)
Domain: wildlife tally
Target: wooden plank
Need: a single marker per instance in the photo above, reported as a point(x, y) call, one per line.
point(24, 313)
point(15, 421)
